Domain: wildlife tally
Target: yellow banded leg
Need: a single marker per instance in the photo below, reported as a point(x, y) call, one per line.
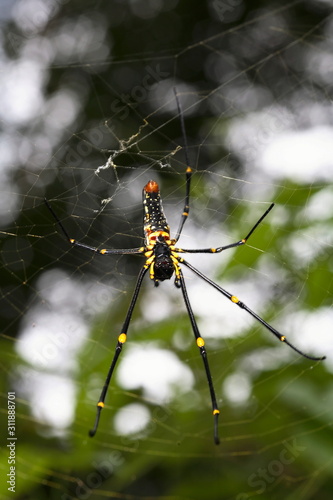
point(120, 342)
point(201, 344)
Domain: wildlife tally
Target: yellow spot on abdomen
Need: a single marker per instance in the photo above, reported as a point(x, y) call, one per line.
point(216, 412)
point(283, 338)
point(122, 338)
point(234, 299)
point(72, 241)
point(200, 342)
point(101, 404)
point(103, 251)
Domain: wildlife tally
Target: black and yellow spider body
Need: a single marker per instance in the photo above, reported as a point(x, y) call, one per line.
point(163, 260)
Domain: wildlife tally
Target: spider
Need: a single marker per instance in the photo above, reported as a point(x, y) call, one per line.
point(163, 260)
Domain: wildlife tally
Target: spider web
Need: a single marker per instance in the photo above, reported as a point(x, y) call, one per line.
point(89, 116)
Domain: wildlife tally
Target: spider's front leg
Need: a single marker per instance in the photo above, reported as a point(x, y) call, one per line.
point(121, 340)
point(201, 344)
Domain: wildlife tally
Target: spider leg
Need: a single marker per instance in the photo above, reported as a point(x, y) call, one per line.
point(103, 251)
point(201, 344)
point(232, 245)
point(188, 172)
point(241, 304)
point(121, 340)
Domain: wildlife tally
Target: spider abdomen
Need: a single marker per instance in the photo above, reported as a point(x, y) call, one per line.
point(154, 218)
point(157, 234)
